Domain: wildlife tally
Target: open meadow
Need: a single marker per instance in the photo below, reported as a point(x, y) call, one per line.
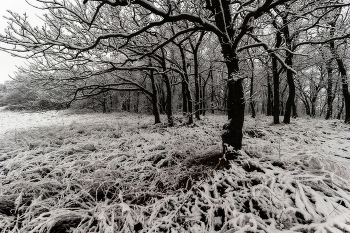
point(66, 172)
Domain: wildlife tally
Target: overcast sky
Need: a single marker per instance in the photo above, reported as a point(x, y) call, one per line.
point(8, 63)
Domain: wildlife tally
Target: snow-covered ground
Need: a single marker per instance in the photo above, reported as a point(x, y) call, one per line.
point(120, 173)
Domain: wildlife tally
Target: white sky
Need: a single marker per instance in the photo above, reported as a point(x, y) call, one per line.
point(8, 63)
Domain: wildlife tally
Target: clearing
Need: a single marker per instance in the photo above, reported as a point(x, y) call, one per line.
point(66, 172)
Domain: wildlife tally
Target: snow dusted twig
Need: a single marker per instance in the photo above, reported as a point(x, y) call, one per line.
point(341, 201)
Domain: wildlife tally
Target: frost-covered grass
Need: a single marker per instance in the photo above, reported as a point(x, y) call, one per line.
point(65, 172)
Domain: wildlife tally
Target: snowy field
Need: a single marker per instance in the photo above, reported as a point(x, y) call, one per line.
point(66, 172)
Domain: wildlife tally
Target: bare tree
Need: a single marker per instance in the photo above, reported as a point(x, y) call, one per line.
point(93, 29)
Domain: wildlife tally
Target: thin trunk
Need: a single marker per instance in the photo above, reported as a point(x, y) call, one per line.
point(294, 110)
point(212, 91)
point(185, 79)
point(340, 109)
point(330, 95)
point(201, 99)
point(197, 80)
point(155, 103)
point(104, 103)
point(323, 108)
point(196, 84)
point(166, 79)
point(137, 102)
point(269, 97)
point(344, 77)
point(276, 83)
point(345, 89)
point(282, 108)
point(263, 104)
point(203, 106)
point(313, 106)
point(307, 107)
point(184, 97)
point(252, 103)
point(169, 109)
point(290, 78)
point(189, 105)
point(110, 102)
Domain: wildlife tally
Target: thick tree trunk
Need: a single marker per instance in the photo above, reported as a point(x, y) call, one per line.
point(233, 134)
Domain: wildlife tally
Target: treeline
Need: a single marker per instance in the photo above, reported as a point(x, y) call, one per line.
point(192, 57)
point(311, 94)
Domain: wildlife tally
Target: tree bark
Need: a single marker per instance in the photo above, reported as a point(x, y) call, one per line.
point(185, 79)
point(233, 133)
point(344, 77)
point(290, 78)
point(137, 102)
point(307, 107)
point(233, 129)
point(330, 95)
point(184, 96)
point(197, 81)
point(196, 84)
point(203, 94)
point(169, 105)
point(212, 92)
point(269, 97)
point(251, 92)
point(252, 103)
point(276, 83)
point(155, 103)
point(340, 109)
point(345, 89)
point(313, 106)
